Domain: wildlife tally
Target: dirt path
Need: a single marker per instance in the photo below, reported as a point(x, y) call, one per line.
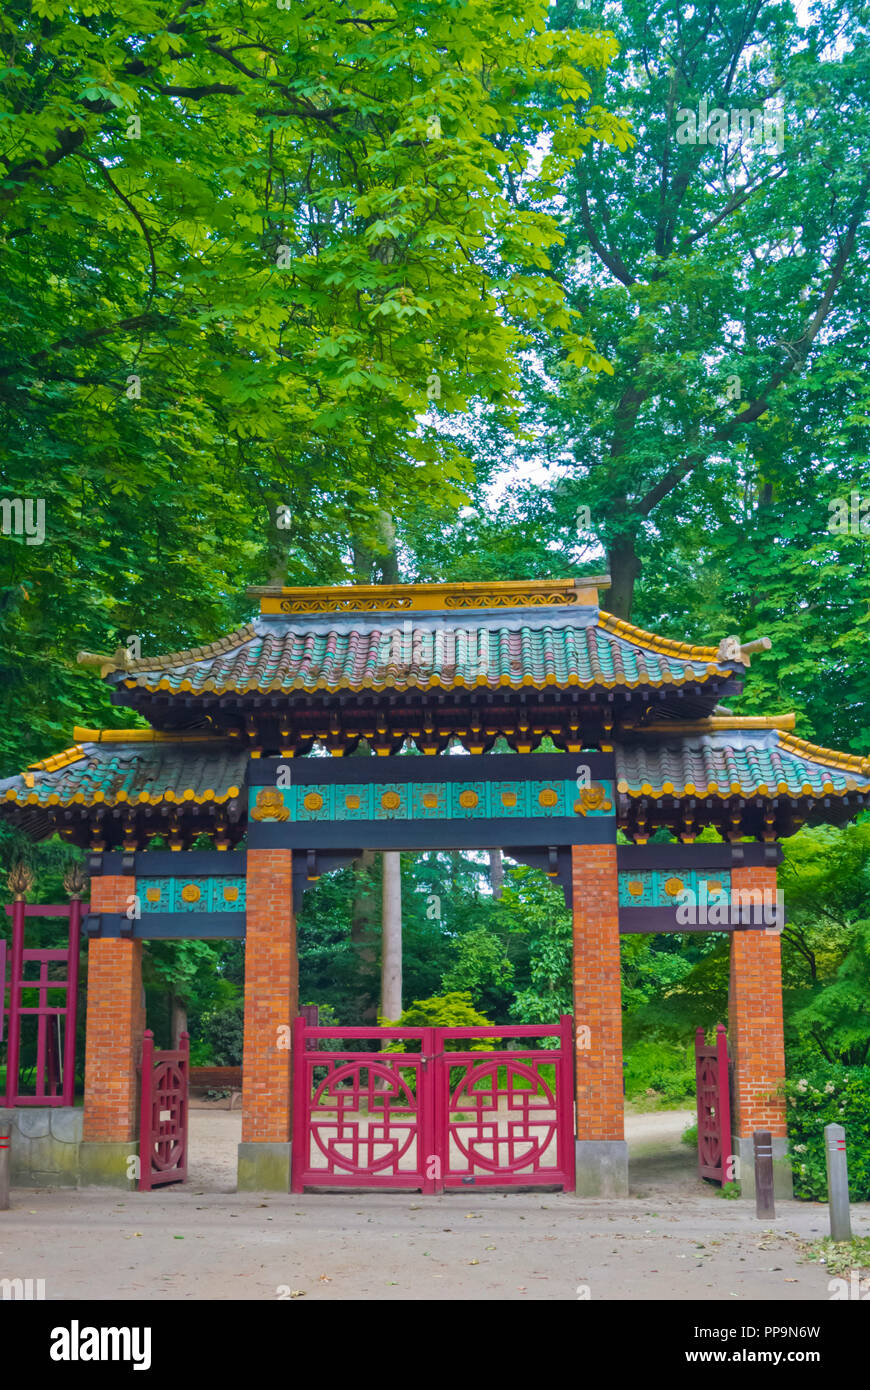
point(672, 1238)
point(658, 1161)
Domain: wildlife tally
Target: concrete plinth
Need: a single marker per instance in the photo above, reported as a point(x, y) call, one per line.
point(44, 1151)
point(264, 1167)
point(602, 1167)
point(108, 1164)
point(743, 1149)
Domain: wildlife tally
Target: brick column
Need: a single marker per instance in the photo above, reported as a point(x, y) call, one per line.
point(755, 1034)
point(602, 1153)
point(271, 1004)
point(113, 1044)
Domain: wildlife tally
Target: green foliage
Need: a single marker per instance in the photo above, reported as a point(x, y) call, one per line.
point(667, 1069)
point(689, 1136)
point(481, 968)
point(454, 1010)
point(818, 1095)
point(217, 1037)
point(269, 240)
point(841, 1257)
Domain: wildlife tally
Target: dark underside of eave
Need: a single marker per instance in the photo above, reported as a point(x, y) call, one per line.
point(307, 712)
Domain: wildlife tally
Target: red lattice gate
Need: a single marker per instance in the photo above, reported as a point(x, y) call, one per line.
point(714, 1105)
point(432, 1117)
point(40, 1015)
point(163, 1114)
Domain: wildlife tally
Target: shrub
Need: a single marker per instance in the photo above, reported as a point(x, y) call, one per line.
point(820, 1094)
point(664, 1067)
point(220, 1040)
point(689, 1136)
point(453, 1010)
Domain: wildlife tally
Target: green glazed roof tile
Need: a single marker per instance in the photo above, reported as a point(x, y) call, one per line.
point(277, 657)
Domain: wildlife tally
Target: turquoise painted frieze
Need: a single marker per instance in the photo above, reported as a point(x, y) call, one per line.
point(430, 801)
point(191, 894)
point(663, 887)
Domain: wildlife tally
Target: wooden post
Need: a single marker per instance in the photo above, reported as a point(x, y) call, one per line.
point(145, 1112)
point(16, 970)
point(72, 999)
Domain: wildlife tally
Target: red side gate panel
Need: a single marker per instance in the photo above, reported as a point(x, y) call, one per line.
point(163, 1114)
point(714, 1105)
point(40, 1016)
point(431, 1117)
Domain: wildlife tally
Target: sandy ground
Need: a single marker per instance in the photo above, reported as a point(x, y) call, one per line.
point(672, 1238)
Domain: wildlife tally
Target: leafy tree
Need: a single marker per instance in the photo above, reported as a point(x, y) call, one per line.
point(269, 240)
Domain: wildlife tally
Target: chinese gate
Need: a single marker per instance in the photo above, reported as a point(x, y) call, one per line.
point(428, 1115)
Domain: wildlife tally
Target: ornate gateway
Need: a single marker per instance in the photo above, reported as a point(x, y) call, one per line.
point(582, 742)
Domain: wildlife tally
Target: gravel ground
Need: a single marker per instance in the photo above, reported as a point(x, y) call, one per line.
point(672, 1238)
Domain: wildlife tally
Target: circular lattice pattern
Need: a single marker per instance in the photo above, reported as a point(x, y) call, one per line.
point(313, 801)
point(673, 886)
point(391, 801)
point(468, 800)
point(548, 797)
point(190, 893)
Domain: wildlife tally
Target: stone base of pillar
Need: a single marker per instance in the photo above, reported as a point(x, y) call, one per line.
point(264, 1167)
point(743, 1149)
point(107, 1164)
point(602, 1167)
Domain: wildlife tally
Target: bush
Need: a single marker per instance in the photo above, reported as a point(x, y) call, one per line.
point(220, 1038)
point(663, 1067)
point(821, 1094)
point(454, 1010)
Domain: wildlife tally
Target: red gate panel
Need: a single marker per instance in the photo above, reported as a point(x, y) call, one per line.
point(435, 1118)
point(505, 1118)
point(714, 1104)
point(361, 1119)
point(50, 977)
point(163, 1113)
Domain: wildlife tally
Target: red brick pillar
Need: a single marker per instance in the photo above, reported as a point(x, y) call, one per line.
point(271, 1004)
point(602, 1154)
point(755, 1028)
point(113, 1043)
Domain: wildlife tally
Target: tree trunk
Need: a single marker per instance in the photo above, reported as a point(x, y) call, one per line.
point(363, 917)
point(391, 936)
point(624, 564)
point(496, 872)
point(388, 562)
point(177, 1019)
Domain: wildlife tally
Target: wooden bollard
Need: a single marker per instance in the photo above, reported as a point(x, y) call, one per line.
point(762, 1142)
